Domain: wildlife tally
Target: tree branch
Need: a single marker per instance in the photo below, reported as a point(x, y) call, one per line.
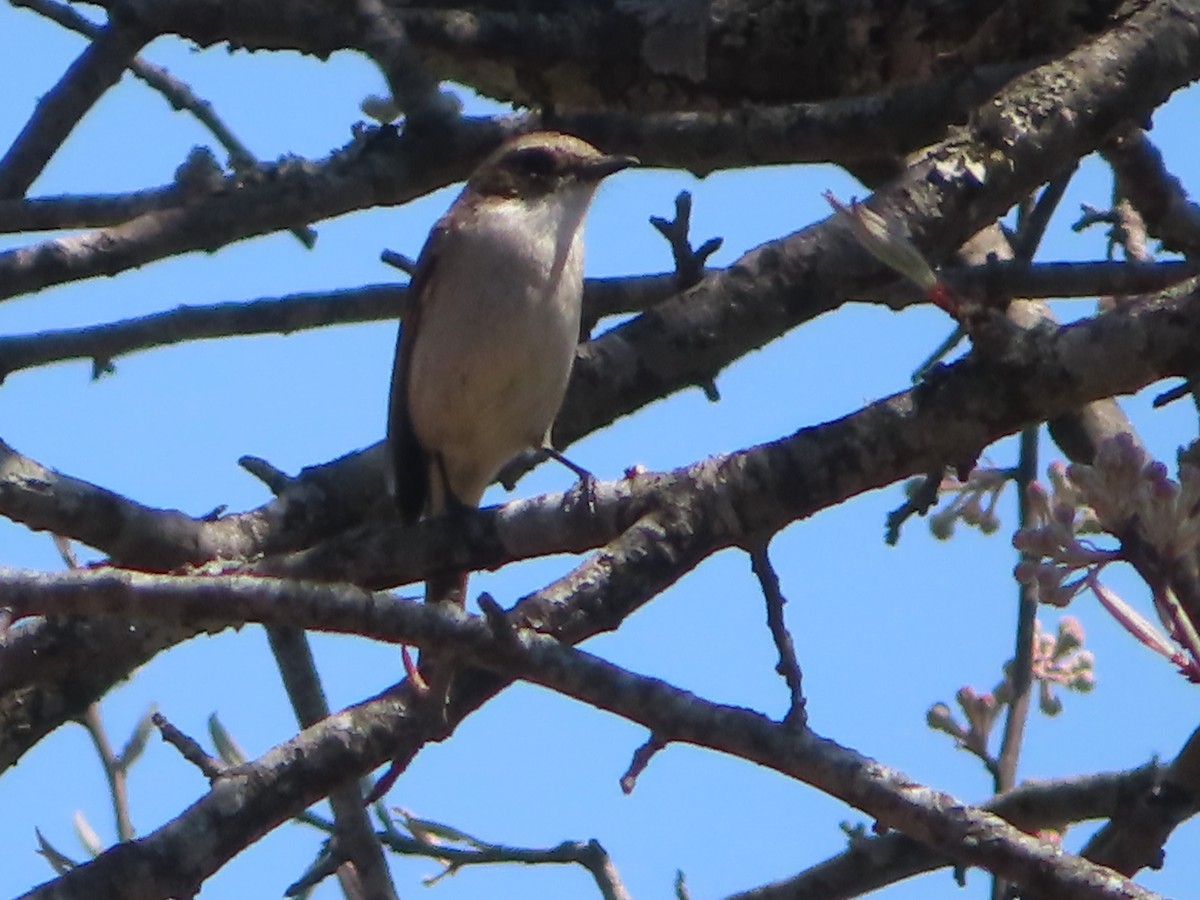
point(176, 93)
point(774, 288)
point(97, 69)
point(355, 841)
point(282, 315)
point(1142, 177)
point(647, 57)
point(1010, 146)
point(870, 863)
point(963, 833)
point(1042, 374)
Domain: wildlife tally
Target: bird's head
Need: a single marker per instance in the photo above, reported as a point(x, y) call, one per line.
point(542, 162)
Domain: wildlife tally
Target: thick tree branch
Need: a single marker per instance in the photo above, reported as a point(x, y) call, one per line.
point(644, 56)
point(895, 121)
point(383, 36)
point(1135, 837)
point(788, 665)
point(967, 835)
point(871, 863)
point(374, 170)
point(1042, 374)
point(1011, 146)
point(766, 293)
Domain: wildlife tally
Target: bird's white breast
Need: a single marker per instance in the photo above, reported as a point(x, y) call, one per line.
point(497, 335)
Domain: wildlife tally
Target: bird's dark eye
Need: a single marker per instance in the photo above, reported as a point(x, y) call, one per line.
point(536, 161)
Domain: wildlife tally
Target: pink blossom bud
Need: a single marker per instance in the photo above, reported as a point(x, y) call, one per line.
point(1048, 701)
point(1070, 634)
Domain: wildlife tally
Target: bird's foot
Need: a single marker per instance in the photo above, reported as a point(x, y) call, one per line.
point(582, 495)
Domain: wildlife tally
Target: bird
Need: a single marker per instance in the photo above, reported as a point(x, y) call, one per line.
point(488, 338)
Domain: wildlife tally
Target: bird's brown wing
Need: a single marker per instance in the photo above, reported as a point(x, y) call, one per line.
point(409, 461)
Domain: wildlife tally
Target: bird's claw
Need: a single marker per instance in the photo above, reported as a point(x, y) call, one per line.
point(581, 496)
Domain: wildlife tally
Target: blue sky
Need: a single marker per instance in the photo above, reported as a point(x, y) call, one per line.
point(881, 632)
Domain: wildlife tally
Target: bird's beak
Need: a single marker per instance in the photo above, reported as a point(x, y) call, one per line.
point(604, 166)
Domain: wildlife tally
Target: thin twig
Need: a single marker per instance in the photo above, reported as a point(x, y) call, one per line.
point(276, 480)
point(266, 315)
point(355, 843)
point(382, 36)
point(1033, 227)
point(1021, 674)
point(106, 342)
point(175, 92)
point(1142, 177)
point(788, 666)
point(97, 69)
point(189, 748)
point(689, 262)
point(641, 758)
point(456, 849)
point(1176, 393)
point(398, 260)
point(921, 498)
point(113, 771)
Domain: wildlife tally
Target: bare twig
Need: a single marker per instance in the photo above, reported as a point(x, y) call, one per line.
point(456, 850)
point(1176, 393)
point(1142, 177)
point(382, 36)
point(1022, 666)
point(641, 758)
point(788, 666)
point(274, 478)
point(268, 315)
point(689, 262)
point(176, 92)
point(97, 69)
point(114, 771)
point(1021, 674)
point(397, 260)
point(1032, 227)
point(326, 863)
point(355, 844)
point(211, 767)
point(921, 498)
point(274, 315)
point(1128, 230)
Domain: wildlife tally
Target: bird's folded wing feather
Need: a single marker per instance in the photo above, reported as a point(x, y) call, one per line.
point(409, 461)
